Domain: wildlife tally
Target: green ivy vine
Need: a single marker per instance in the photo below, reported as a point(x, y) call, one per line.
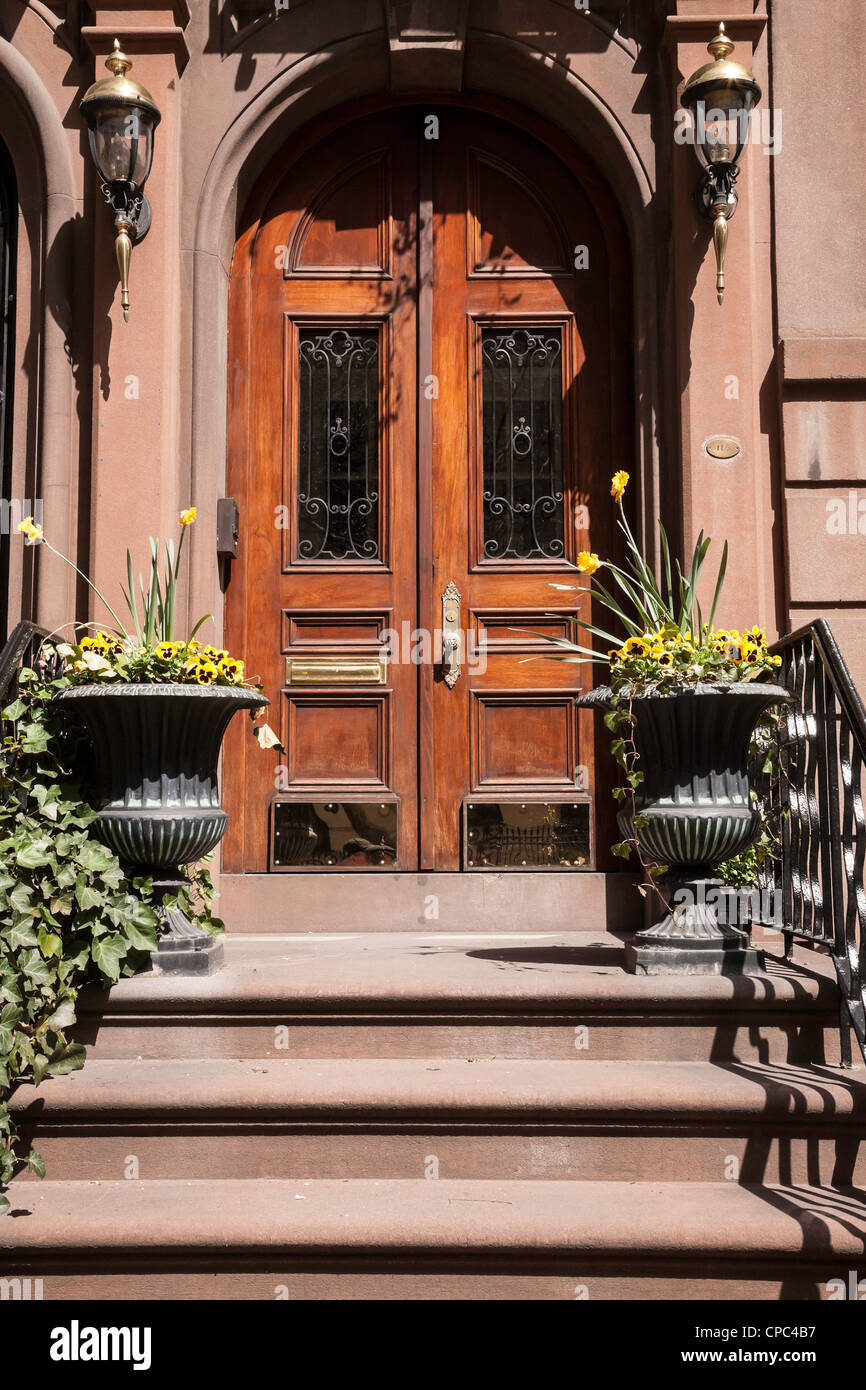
point(69, 913)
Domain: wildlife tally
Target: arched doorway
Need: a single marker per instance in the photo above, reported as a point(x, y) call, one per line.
point(429, 390)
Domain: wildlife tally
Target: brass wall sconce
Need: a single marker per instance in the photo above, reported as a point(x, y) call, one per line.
point(121, 117)
point(720, 97)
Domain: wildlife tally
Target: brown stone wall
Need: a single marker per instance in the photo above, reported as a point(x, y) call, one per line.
point(118, 426)
point(820, 244)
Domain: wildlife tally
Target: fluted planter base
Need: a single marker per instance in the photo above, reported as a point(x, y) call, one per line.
point(695, 938)
point(692, 811)
point(184, 948)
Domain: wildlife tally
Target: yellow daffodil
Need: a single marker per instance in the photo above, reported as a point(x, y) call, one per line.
point(618, 485)
point(776, 660)
point(588, 562)
point(31, 530)
point(188, 517)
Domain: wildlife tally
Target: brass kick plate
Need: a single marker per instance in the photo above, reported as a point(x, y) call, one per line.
point(331, 670)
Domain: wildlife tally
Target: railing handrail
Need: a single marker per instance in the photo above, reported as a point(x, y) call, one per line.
point(837, 669)
point(821, 868)
point(17, 643)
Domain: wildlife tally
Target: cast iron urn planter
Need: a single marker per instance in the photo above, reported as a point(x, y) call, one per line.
point(693, 750)
point(154, 784)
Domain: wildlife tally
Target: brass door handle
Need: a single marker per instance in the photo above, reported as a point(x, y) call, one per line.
point(451, 634)
point(450, 662)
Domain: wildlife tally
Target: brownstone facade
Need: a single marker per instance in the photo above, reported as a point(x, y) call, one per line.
point(117, 426)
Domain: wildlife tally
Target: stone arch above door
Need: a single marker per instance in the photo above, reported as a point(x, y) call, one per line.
point(597, 116)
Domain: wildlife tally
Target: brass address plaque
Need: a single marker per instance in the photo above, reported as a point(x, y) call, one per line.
point(722, 446)
point(335, 671)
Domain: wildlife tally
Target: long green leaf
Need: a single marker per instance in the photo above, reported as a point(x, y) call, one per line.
point(563, 642)
point(632, 628)
point(639, 564)
point(567, 642)
point(652, 610)
point(719, 582)
point(199, 624)
point(130, 597)
point(666, 558)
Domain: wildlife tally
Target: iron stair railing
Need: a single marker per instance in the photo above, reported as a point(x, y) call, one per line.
point(20, 650)
point(813, 795)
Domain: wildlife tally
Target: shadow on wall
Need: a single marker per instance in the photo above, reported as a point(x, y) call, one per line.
point(259, 28)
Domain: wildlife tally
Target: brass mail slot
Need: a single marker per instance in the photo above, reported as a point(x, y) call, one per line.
point(335, 670)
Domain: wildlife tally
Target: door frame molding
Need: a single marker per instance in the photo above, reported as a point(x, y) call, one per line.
point(621, 365)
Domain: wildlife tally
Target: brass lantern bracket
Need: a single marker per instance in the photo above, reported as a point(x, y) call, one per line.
point(715, 193)
point(717, 202)
point(720, 86)
point(122, 112)
point(129, 206)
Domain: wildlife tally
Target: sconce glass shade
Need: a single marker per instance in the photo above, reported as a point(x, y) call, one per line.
point(121, 143)
point(720, 96)
point(121, 118)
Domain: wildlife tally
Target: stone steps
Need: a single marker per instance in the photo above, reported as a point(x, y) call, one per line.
point(557, 997)
point(430, 1115)
point(451, 1239)
point(386, 1118)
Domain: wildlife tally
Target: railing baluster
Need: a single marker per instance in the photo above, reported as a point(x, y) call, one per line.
point(815, 802)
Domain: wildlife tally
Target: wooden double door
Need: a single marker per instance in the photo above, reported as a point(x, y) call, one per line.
point(425, 355)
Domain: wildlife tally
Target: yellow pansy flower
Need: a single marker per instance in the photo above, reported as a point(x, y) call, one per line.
point(231, 669)
point(588, 562)
point(204, 672)
point(618, 484)
point(635, 646)
point(103, 643)
point(188, 517)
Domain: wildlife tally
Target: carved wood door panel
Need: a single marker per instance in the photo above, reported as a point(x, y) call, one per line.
point(420, 410)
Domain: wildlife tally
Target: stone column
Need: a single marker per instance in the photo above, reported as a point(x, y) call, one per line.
point(138, 486)
point(725, 353)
